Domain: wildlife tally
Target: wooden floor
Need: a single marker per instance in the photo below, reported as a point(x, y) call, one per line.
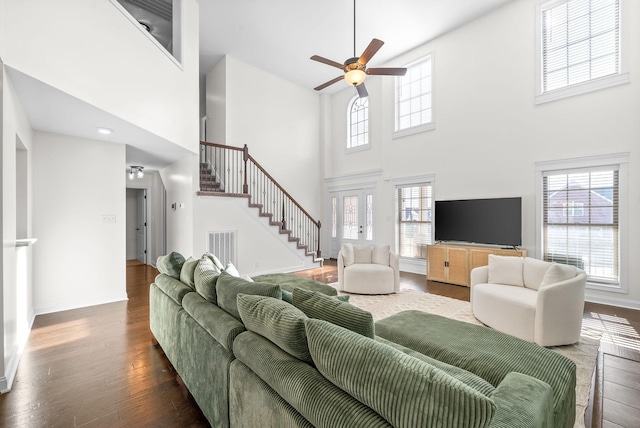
point(99, 366)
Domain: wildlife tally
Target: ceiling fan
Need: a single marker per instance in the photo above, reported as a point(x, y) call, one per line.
point(355, 69)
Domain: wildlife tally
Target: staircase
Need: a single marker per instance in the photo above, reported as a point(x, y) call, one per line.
point(232, 172)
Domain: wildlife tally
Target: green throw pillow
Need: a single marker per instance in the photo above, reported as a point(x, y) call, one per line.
point(277, 321)
point(228, 288)
point(287, 296)
point(171, 264)
point(319, 306)
point(187, 272)
point(205, 278)
point(216, 261)
point(404, 390)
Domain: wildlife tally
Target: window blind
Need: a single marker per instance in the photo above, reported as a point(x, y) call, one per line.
point(414, 216)
point(580, 42)
point(581, 221)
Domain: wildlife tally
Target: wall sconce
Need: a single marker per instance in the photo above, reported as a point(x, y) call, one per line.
point(136, 171)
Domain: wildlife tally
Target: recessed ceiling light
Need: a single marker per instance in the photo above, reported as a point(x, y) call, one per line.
point(105, 131)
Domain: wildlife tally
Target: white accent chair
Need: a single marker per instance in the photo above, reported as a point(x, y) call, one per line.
point(368, 269)
point(538, 301)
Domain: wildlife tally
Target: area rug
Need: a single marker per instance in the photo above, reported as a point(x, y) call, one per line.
point(583, 353)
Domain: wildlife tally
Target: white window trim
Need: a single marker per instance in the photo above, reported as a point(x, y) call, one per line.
point(621, 160)
point(592, 85)
point(361, 147)
point(425, 126)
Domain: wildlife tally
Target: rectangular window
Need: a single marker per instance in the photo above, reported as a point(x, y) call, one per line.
point(414, 216)
point(413, 104)
point(581, 227)
point(580, 44)
point(369, 219)
point(334, 217)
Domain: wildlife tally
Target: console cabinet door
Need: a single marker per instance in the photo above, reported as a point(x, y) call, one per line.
point(458, 266)
point(436, 258)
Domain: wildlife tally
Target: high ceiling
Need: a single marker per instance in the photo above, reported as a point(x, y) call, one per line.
point(278, 36)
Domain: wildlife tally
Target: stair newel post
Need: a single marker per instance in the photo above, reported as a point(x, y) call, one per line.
point(319, 254)
point(245, 158)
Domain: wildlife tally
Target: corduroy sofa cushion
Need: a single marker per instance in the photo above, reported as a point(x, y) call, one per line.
point(277, 321)
point(170, 264)
point(406, 391)
point(187, 272)
point(205, 278)
point(317, 305)
point(228, 288)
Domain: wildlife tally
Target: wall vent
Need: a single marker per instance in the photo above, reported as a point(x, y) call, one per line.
point(223, 246)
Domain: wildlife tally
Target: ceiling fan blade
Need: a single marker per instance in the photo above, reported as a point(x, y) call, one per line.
point(329, 83)
point(327, 61)
point(388, 71)
point(370, 51)
point(362, 91)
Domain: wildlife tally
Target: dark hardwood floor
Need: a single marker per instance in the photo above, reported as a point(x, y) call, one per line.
point(100, 367)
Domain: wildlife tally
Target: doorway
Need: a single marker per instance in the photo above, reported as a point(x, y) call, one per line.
point(137, 225)
point(352, 218)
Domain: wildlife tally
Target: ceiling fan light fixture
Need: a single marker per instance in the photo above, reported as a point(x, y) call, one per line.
point(355, 77)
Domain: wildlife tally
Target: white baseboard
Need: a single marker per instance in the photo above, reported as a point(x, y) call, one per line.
point(12, 367)
point(82, 303)
point(613, 301)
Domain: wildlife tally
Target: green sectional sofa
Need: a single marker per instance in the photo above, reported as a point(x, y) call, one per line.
point(251, 356)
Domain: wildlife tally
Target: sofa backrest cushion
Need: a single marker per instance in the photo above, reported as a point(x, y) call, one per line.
point(287, 296)
point(170, 264)
point(347, 253)
point(558, 272)
point(277, 321)
point(380, 254)
point(228, 288)
point(205, 277)
point(362, 253)
point(404, 390)
point(317, 305)
point(187, 272)
point(506, 270)
point(533, 272)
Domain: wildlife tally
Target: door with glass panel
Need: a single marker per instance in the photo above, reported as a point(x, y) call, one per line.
point(351, 218)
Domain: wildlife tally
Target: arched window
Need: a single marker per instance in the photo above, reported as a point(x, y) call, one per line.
point(358, 123)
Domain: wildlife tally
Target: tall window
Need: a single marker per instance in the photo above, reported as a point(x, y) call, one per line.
point(358, 123)
point(414, 203)
point(413, 110)
point(581, 220)
point(580, 43)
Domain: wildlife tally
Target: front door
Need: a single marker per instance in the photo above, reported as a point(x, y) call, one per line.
point(351, 217)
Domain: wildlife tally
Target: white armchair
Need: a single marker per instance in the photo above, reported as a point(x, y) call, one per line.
point(534, 300)
point(368, 269)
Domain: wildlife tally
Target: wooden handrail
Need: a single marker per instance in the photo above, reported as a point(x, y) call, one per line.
point(283, 191)
point(229, 167)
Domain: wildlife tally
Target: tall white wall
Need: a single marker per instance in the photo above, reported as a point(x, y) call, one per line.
point(216, 103)
point(277, 120)
point(489, 133)
point(16, 279)
point(180, 180)
point(79, 259)
point(90, 50)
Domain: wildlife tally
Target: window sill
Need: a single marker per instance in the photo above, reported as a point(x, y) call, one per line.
point(358, 148)
point(583, 88)
point(414, 130)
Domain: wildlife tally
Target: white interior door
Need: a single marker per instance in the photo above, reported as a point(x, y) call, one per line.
point(351, 217)
point(141, 226)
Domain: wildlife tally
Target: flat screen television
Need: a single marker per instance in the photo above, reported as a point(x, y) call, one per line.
point(495, 221)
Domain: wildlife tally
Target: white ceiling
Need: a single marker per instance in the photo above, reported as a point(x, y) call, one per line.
point(278, 36)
